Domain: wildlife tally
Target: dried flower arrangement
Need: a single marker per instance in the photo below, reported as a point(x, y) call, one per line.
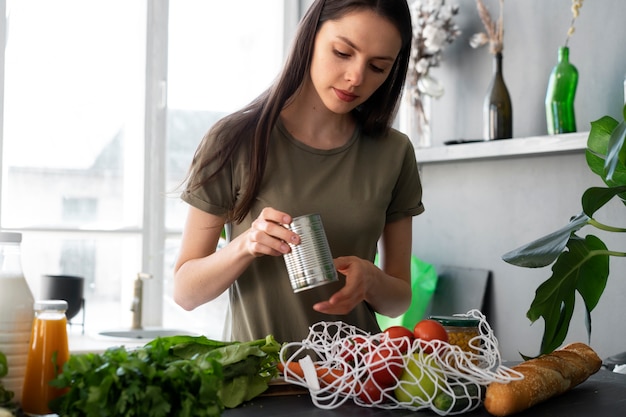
point(494, 31)
point(576, 5)
point(433, 28)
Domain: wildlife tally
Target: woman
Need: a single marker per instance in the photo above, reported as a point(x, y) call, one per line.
point(317, 141)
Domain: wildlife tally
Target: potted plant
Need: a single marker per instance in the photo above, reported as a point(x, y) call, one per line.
point(579, 264)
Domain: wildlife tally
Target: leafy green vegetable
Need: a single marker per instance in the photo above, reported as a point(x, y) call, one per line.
point(579, 264)
point(4, 365)
point(6, 396)
point(178, 375)
point(248, 367)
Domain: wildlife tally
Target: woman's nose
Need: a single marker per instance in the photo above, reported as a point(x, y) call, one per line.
point(355, 73)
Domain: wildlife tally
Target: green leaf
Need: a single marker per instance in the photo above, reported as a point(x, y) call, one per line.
point(594, 272)
point(606, 150)
point(179, 375)
point(600, 135)
point(596, 197)
point(4, 366)
point(583, 268)
point(595, 162)
point(545, 250)
point(6, 396)
point(616, 144)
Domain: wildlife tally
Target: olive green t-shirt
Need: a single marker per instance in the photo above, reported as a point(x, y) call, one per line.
point(356, 189)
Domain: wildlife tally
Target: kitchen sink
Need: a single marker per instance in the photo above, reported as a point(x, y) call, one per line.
point(146, 334)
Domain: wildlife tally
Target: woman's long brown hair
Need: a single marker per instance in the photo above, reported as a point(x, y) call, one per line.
point(254, 123)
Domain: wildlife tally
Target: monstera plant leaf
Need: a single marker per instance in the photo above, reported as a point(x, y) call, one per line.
point(545, 250)
point(596, 197)
point(606, 153)
point(579, 264)
point(584, 267)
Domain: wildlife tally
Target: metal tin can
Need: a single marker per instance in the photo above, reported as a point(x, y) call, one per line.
point(309, 264)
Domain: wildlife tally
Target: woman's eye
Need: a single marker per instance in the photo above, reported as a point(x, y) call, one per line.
point(377, 69)
point(341, 54)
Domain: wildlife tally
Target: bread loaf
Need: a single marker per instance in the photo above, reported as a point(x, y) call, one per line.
point(544, 377)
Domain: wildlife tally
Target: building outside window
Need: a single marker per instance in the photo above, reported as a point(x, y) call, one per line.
point(77, 127)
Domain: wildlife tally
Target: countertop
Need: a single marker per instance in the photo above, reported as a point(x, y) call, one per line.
point(92, 343)
point(602, 395)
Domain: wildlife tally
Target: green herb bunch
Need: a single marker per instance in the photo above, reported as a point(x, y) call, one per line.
point(580, 264)
point(6, 396)
point(171, 376)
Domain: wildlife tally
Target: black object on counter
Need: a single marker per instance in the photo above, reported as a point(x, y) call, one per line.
point(462, 141)
point(69, 288)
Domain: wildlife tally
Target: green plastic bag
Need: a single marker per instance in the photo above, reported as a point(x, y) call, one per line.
point(423, 284)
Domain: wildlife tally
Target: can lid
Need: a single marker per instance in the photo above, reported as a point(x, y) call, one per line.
point(456, 321)
point(12, 237)
point(55, 305)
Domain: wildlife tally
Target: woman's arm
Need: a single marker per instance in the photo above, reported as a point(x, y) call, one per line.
point(201, 273)
point(388, 289)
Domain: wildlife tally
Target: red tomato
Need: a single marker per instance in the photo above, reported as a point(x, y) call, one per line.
point(401, 337)
point(428, 330)
point(385, 365)
point(352, 346)
point(371, 393)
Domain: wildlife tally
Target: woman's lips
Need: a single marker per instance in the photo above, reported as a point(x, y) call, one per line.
point(345, 95)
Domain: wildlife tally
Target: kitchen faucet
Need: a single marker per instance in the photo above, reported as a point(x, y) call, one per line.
point(137, 304)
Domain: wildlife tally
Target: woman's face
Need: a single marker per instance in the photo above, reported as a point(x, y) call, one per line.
point(352, 57)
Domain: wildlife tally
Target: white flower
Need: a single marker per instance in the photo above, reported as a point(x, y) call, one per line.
point(434, 5)
point(422, 66)
point(434, 38)
point(478, 39)
point(446, 13)
point(432, 29)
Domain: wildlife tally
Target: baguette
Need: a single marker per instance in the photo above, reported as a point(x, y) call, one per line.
point(544, 377)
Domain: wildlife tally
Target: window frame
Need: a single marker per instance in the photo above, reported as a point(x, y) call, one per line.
point(153, 232)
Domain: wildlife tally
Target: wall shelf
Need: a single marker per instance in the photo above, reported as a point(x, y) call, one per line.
point(507, 148)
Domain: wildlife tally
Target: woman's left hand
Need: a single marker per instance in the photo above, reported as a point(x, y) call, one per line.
point(359, 275)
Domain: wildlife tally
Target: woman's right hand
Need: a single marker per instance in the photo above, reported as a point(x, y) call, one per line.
point(268, 236)
point(202, 273)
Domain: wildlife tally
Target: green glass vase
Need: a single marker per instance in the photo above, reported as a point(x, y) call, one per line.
point(497, 108)
point(560, 95)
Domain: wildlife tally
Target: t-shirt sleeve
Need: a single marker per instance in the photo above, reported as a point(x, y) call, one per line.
point(218, 195)
point(407, 193)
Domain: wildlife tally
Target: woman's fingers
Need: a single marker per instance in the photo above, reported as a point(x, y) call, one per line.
point(268, 236)
point(352, 293)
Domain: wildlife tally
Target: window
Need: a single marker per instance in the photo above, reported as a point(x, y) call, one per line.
point(76, 127)
point(242, 54)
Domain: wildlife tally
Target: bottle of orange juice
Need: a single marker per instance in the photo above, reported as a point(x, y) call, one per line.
point(47, 354)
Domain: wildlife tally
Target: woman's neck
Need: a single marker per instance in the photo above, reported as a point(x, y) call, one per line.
point(310, 122)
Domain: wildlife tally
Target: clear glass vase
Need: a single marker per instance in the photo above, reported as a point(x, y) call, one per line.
point(415, 119)
point(416, 113)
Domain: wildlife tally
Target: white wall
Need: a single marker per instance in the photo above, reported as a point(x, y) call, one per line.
point(478, 210)
point(534, 30)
